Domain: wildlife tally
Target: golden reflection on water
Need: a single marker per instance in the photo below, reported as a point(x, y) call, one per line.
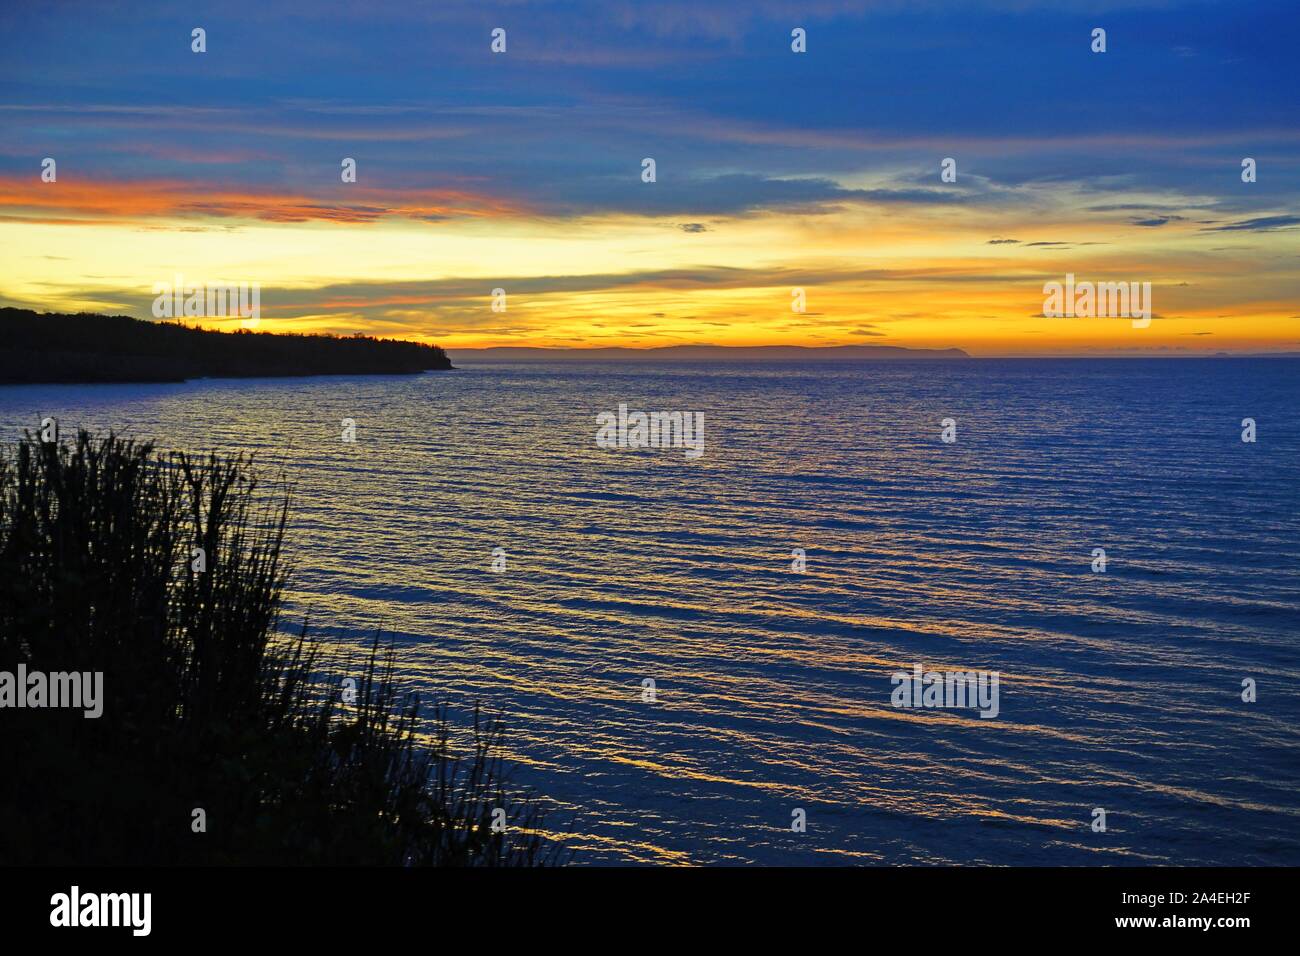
point(772, 687)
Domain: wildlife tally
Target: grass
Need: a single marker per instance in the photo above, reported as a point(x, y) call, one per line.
point(207, 705)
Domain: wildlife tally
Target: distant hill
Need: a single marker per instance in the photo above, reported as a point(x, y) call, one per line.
point(708, 353)
point(52, 347)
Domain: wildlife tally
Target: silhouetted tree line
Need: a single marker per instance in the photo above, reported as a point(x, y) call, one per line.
point(53, 347)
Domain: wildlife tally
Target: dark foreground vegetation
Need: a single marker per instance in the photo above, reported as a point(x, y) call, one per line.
point(51, 347)
point(206, 706)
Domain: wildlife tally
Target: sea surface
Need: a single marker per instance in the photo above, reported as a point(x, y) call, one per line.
point(1119, 690)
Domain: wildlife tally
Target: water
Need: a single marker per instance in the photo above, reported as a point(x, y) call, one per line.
point(1119, 691)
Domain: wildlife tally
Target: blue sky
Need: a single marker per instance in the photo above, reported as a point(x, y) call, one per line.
point(1146, 137)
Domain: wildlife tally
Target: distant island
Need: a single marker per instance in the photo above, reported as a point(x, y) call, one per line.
point(52, 347)
point(707, 353)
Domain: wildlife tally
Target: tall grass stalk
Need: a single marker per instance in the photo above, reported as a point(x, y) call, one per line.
point(207, 706)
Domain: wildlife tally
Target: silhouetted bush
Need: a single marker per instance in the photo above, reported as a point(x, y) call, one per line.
point(206, 705)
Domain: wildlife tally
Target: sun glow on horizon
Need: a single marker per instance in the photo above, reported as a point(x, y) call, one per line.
point(870, 276)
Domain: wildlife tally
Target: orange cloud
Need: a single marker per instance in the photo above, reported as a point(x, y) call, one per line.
point(67, 202)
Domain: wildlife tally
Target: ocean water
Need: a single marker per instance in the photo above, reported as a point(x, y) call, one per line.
point(1118, 690)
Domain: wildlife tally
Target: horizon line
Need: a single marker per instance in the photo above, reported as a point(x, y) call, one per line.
point(922, 352)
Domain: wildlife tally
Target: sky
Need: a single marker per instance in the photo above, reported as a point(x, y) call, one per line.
point(774, 170)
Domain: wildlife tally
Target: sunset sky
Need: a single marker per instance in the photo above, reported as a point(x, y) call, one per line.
point(775, 170)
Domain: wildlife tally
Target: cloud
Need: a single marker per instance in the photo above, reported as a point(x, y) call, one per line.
point(1259, 224)
point(917, 196)
point(677, 193)
point(134, 200)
